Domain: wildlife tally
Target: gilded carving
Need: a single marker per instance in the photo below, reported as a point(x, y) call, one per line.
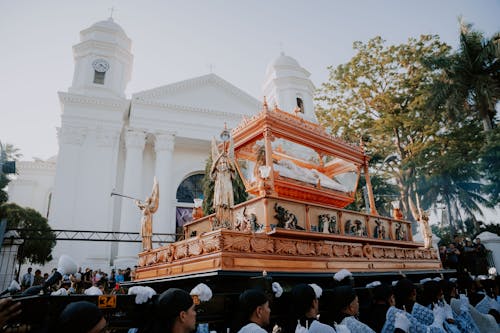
point(170, 252)
point(194, 248)
point(162, 256)
point(400, 253)
point(356, 251)
point(378, 252)
point(261, 245)
point(419, 254)
point(379, 231)
point(306, 248)
point(410, 254)
point(389, 253)
point(368, 251)
point(285, 247)
point(142, 261)
point(241, 244)
point(325, 250)
point(210, 244)
point(151, 259)
point(340, 250)
point(181, 251)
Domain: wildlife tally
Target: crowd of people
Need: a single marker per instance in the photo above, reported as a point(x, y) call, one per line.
point(81, 281)
point(437, 305)
point(464, 255)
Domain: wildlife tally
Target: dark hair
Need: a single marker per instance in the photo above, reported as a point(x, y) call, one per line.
point(430, 292)
point(79, 317)
point(382, 292)
point(302, 297)
point(402, 292)
point(249, 300)
point(166, 308)
point(342, 297)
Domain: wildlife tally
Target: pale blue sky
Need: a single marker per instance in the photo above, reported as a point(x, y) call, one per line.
point(177, 40)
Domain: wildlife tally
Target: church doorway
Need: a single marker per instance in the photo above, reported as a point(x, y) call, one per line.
point(190, 188)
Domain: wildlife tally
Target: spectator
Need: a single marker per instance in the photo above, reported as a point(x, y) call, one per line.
point(38, 278)
point(481, 264)
point(27, 280)
point(452, 254)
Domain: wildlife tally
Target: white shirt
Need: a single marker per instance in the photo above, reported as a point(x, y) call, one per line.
point(252, 328)
point(317, 327)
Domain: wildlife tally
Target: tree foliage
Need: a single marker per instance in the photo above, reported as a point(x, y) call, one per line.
point(470, 78)
point(380, 95)
point(38, 250)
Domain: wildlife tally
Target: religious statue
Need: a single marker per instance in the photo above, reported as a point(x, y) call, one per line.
point(148, 208)
point(222, 173)
point(426, 229)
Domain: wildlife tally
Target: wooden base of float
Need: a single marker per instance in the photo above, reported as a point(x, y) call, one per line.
point(281, 251)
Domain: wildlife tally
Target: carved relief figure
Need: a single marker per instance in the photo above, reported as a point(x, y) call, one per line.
point(355, 228)
point(247, 222)
point(327, 223)
point(379, 230)
point(286, 219)
point(400, 232)
point(222, 173)
point(148, 208)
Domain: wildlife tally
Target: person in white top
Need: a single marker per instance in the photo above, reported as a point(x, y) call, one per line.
point(254, 311)
point(305, 310)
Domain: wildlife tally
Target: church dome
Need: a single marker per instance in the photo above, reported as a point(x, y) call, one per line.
point(108, 24)
point(107, 31)
point(283, 61)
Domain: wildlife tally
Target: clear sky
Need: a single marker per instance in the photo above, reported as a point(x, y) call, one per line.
point(177, 40)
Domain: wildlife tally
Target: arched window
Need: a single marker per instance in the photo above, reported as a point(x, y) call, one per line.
point(190, 188)
point(300, 104)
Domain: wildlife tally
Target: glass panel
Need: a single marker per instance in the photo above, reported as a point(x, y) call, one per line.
point(190, 188)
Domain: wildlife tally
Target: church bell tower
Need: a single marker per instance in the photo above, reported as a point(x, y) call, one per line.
point(287, 84)
point(103, 61)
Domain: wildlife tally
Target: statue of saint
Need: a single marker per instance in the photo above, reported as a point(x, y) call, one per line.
point(426, 230)
point(222, 173)
point(148, 208)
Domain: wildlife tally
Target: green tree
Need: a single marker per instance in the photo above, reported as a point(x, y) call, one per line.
point(4, 181)
point(32, 225)
point(449, 171)
point(490, 165)
point(381, 95)
point(470, 80)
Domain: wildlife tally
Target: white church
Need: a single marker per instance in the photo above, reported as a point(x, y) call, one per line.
point(110, 142)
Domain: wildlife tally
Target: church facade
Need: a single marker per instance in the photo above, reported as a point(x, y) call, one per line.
point(108, 142)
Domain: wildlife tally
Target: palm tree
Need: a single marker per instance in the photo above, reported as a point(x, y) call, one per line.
point(470, 82)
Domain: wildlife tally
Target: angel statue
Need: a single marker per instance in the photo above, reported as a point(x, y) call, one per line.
point(222, 173)
point(148, 208)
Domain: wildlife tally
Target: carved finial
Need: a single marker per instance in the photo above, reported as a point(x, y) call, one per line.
point(275, 106)
point(362, 143)
point(297, 111)
point(264, 104)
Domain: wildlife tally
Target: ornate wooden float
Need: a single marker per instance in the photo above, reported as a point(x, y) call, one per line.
point(300, 179)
